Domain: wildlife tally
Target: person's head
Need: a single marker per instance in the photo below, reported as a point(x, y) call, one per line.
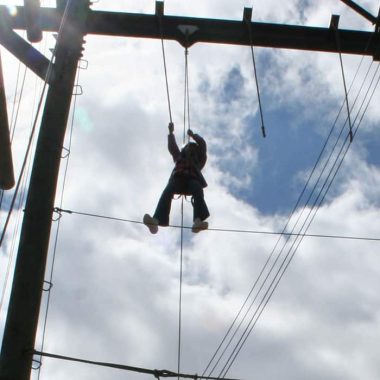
point(190, 148)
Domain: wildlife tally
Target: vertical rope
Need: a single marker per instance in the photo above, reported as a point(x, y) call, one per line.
point(336, 32)
point(186, 116)
point(187, 89)
point(186, 103)
point(165, 69)
point(182, 229)
point(256, 78)
point(180, 295)
point(166, 81)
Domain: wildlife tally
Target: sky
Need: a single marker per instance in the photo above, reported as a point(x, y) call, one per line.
point(116, 287)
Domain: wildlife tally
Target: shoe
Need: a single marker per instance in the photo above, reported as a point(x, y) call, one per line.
point(199, 225)
point(151, 223)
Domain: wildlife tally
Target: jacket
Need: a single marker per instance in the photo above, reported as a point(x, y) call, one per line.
point(189, 166)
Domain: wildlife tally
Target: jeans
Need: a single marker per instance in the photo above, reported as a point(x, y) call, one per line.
point(186, 186)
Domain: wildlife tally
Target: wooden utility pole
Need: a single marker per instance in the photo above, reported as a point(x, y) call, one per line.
point(7, 179)
point(22, 319)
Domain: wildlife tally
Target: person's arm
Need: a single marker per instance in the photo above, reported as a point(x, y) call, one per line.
point(202, 147)
point(172, 144)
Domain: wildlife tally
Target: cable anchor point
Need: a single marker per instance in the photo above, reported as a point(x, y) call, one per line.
point(187, 31)
point(59, 212)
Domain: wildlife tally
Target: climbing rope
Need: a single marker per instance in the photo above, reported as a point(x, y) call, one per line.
point(186, 103)
point(249, 25)
point(165, 66)
point(180, 296)
point(338, 45)
point(186, 116)
point(186, 121)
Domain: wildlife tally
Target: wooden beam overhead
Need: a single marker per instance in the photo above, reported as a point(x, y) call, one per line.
point(212, 31)
point(25, 52)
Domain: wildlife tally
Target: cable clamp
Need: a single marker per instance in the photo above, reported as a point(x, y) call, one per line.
point(59, 212)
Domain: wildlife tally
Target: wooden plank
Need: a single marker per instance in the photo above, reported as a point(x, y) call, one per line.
point(213, 31)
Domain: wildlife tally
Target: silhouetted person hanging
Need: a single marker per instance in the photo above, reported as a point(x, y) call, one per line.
point(186, 179)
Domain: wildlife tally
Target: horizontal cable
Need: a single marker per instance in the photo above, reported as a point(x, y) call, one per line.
point(344, 237)
point(155, 372)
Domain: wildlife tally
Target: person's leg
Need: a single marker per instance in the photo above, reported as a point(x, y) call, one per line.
point(164, 204)
point(161, 215)
point(200, 210)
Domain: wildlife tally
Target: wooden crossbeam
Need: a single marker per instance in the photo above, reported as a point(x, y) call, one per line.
point(21, 49)
point(212, 31)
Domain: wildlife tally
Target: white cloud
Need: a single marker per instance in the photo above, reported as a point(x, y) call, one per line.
point(116, 287)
